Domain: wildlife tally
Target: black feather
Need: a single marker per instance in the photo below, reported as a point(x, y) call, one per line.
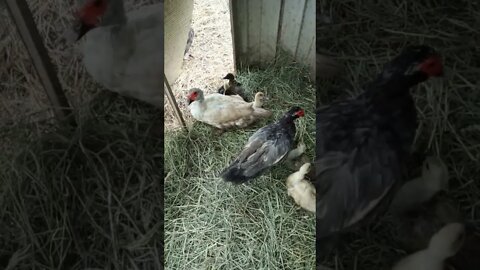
point(362, 145)
point(265, 148)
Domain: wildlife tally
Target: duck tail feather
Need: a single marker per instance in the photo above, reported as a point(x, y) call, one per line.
point(234, 174)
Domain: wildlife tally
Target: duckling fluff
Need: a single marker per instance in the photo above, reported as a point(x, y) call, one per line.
point(444, 244)
point(259, 99)
point(434, 178)
point(302, 191)
point(232, 87)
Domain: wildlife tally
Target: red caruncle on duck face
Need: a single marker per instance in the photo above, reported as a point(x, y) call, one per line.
point(432, 66)
point(90, 14)
point(300, 113)
point(192, 97)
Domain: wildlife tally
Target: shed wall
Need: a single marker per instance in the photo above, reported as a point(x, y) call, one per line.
point(262, 28)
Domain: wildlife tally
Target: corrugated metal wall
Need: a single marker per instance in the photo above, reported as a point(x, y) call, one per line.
point(262, 27)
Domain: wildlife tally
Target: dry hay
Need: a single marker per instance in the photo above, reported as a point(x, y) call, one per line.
point(22, 97)
point(75, 198)
point(366, 34)
point(86, 197)
point(212, 224)
point(211, 55)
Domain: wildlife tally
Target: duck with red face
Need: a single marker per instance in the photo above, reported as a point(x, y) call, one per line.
point(123, 51)
point(362, 144)
point(90, 15)
point(266, 148)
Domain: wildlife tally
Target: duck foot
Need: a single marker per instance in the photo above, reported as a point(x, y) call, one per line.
point(295, 164)
point(297, 152)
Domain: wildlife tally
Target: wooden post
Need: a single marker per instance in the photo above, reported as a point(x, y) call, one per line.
point(173, 103)
point(22, 16)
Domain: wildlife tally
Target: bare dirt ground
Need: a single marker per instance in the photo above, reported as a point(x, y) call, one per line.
point(211, 55)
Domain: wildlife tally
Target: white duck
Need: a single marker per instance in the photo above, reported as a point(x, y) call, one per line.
point(301, 190)
point(124, 52)
point(222, 111)
point(444, 244)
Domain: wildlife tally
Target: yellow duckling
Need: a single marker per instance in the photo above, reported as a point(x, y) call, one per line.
point(444, 244)
point(301, 190)
point(259, 100)
point(434, 178)
point(423, 206)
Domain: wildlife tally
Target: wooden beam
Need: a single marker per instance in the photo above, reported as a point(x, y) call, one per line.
point(173, 103)
point(23, 18)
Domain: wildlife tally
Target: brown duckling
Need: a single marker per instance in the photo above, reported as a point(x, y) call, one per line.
point(232, 87)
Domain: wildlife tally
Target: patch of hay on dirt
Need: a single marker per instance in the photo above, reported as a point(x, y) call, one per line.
point(210, 57)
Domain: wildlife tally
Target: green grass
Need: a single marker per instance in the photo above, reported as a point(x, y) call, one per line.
point(366, 34)
point(91, 196)
point(211, 224)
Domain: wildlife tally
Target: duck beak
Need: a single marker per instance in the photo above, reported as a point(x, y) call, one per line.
point(189, 101)
point(83, 29)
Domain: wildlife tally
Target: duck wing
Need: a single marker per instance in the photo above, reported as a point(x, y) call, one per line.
point(356, 167)
point(127, 58)
point(224, 109)
point(265, 148)
point(241, 92)
point(350, 185)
